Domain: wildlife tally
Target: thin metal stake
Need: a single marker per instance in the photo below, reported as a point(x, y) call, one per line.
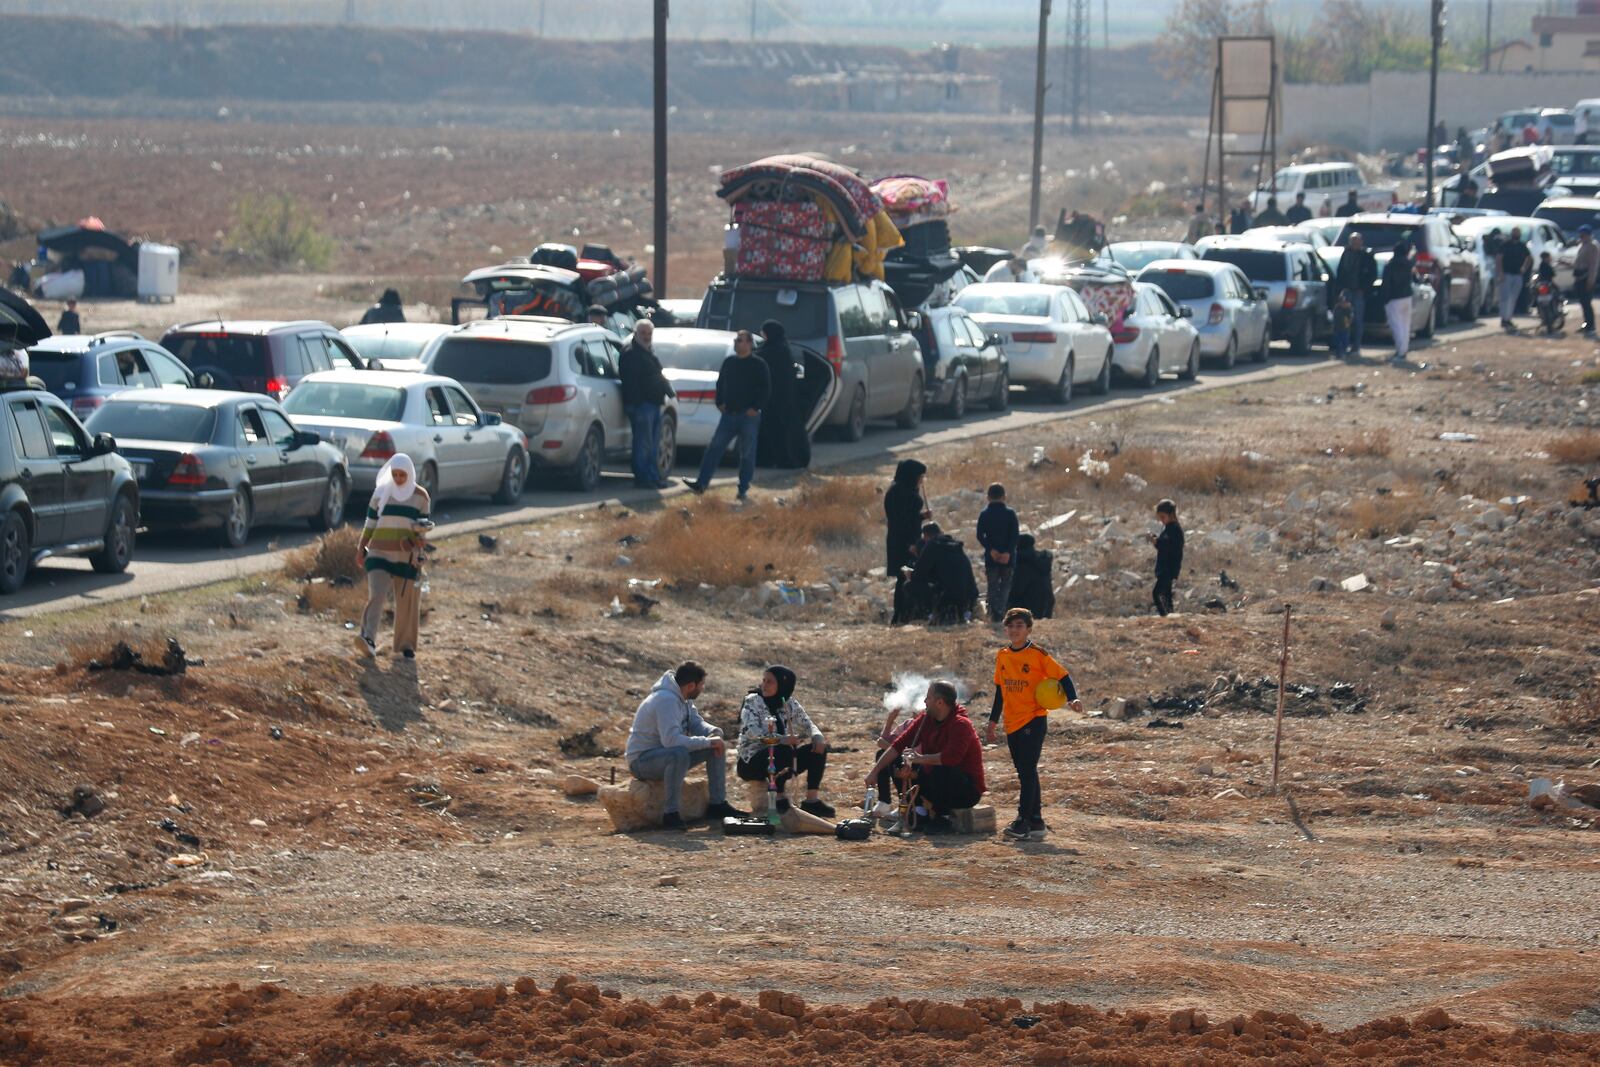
point(1283, 678)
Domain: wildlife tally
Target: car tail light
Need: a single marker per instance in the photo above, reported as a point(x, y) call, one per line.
point(84, 406)
point(1424, 259)
point(1126, 334)
point(1215, 318)
point(551, 394)
point(276, 387)
point(836, 354)
point(1291, 298)
point(189, 471)
point(379, 446)
point(1038, 337)
point(702, 395)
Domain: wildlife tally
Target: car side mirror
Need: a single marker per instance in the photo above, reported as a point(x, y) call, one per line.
point(306, 438)
point(1185, 311)
point(488, 418)
point(204, 380)
point(1260, 293)
point(104, 445)
point(994, 340)
point(913, 321)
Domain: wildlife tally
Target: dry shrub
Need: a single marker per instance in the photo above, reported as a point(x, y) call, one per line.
point(1375, 443)
point(319, 597)
point(1584, 715)
point(1581, 448)
point(1387, 516)
point(333, 555)
point(1199, 473)
point(835, 511)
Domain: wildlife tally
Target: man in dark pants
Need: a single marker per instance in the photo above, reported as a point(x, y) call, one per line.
point(1298, 212)
point(1350, 206)
point(1584, 269)
point(1018, 669)
point(743, 386)
point(997, 533)
point(644, 392)
point(941, 749)
point(1357, 274)
point(1169, 555)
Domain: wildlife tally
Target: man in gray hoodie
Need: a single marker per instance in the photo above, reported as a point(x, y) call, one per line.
point(669, 736)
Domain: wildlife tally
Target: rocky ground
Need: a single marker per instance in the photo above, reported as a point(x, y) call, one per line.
point(287, 852)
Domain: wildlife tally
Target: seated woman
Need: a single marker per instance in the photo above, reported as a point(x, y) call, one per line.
point(801, 748)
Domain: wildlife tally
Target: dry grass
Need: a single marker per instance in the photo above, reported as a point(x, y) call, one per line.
point(1389, 515)
point(1581, 448)
point(333, 555)
point(1198, 473)
point(324, 596)
point(1376, 443)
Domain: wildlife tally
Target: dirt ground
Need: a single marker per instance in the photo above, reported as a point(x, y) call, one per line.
point(287, 852)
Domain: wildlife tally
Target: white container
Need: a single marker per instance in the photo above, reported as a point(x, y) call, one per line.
point(158, 272)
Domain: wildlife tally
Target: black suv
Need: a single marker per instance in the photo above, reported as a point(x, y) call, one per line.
point(260, 357)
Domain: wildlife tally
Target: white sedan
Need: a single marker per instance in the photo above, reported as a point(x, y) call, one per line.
point(690, 359)
point(1156, 338)
point(1052, 341)
point(459, 449)
point(395, 345)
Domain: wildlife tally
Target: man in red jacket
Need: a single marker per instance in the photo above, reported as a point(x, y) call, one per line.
point(941, 749)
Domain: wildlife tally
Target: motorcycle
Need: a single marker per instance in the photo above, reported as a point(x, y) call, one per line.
point(1552, 307)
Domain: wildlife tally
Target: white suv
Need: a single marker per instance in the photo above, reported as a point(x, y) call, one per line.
point(557, 381)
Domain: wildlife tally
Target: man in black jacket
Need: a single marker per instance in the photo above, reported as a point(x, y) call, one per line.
point(743, 387)
point(942, 583)
point(1357, 274)
point(1350, 206)
point(1298, 212)
point(997, 533)
point(1271, 216)
point(644, 392)
point(1169, 555)
point(1031, 585)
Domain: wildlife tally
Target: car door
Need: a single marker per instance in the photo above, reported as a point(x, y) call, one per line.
point(340, 355)
point(600, 382)
point(1072, 313)
point(87, 477)
point(885, 394)
point(484, 449)
point(304, 476)
point(1177, 335)
point(264, 466)
point(1258, 320)
point(982, 363)
point(40, 473)
point(903, 355)
point(168, 372)
point(450, 446)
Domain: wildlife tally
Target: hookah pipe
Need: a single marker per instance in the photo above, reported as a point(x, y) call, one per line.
point(772, 771)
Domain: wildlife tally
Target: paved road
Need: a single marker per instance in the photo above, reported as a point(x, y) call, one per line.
point(166, 562)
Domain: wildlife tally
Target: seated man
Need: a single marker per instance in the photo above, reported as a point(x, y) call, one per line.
point(1031, 586)
point(669, 736)
point(943, 757)
point(942, 584)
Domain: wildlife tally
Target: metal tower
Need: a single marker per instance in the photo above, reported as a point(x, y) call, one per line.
point(1078, 57)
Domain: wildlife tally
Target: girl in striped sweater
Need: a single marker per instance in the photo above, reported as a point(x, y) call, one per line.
point(391, 552)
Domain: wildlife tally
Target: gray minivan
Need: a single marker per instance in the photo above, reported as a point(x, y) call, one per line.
point(859, 328)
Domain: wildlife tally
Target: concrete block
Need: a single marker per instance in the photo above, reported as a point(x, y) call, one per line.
point(976, 820)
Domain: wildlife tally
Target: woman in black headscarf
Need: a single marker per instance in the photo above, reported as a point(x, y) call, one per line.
point(1395, 292)
point(904, 510)
point(772, 711)
point(782, 440)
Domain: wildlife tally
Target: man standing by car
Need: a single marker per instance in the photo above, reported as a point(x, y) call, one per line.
point(1199, 226)
point(1584, 269)
point(743, 386)
point(1357, 273)
point(644, 392)
point(1513, 262)
point(1350, 206)
point(1299, 212)
point(1271, 216)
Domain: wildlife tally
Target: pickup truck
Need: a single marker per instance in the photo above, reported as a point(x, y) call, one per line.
point(1323, 183)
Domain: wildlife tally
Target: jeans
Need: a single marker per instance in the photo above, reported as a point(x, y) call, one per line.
point(1399, 314)
point(646, 422)
point(999, 577)
point(730, 426)
point(1161, 596)
point(1026, 745)
point(1510, 290)
point(669, 765)
point(1341, 343)
point(1585, 294)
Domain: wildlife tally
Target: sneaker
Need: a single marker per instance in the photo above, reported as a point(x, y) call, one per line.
point(820, 808)
point(1037, 828)
point(366, 647)
point(724, 810)
point(882, 811)
point(672, 821)
point(694, 487)
point(1017, 831)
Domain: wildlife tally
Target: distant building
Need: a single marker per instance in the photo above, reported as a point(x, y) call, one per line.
point(1568, 42)
point(898, 91)
point(1513, 57)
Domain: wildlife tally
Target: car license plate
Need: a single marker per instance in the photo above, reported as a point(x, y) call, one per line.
point(141, 470)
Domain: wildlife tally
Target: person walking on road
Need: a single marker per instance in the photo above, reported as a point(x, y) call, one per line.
point(1298, 212)
point(742, 391)
point(1395, 292)
point(1511, 266)
point(387, 309)
point(69, 321)
point(1350, 206)
point(997, 533)
point(1584, 270)
point(1357, 274)
point(668, 737)
point(644, 393)
point(390, 552)
point(1169, 556)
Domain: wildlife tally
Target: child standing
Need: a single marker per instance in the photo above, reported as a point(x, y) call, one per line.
point(1344, 317)
point(997, 533)
point(1169, 555)
point(1018, 670)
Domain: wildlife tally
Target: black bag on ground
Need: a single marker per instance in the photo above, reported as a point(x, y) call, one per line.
point(748, 827)
point(853, 830)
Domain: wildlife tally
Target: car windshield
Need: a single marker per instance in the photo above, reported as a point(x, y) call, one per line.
point(697, 355)
point(153, 421)
point(348, 400)
point(989, 301)
point(234, 356)
point(1258, 264)
point(386, 345)
point(1379, 237)
point(491, 361)
point(1568, 218)
point(59, 370)
point(1181, 284)
point(1135, 258)
point(802, 312)
point(1569, 163)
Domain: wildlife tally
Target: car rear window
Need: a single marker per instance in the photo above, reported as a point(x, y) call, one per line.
point(233, 355)
point(1379, 236)
point(489, 361)
point(1258, 265)
point(1567, 163)
point(59, 370)
point(153, 421)
point(981, 302)
point(802, 312)
point(380, 403)
point(1568, 218)
point(1181, 284)
point(691, 356)
point(1136, 259)
point(386, 346)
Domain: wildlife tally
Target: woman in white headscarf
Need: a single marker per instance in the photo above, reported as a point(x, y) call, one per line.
point(391, 552)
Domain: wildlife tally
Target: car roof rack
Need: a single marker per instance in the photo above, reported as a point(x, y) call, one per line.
point(115, 335)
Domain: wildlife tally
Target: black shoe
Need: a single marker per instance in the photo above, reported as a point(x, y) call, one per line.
point(782, 806)
point(1037, 826)
point(937, 824)
point(409, 654)
point(1017, 831)
point(718, 812)
point(694, 487)
point(820, 808)
point(671, 821)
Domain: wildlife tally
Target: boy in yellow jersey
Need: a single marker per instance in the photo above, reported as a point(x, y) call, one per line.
point(1018, 670)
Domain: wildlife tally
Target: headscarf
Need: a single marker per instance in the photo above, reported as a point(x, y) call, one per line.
point(386, 489)
point(909, 471)
point(786, 682)
point(773, 330)
point(1402, 250)
point(390, 298)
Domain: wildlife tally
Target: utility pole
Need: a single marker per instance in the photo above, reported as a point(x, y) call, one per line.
point(1038, 113)
point(1437, 32)
point(660, 283)
point(1078, 19)
point(1488, 33)
point(752, 19)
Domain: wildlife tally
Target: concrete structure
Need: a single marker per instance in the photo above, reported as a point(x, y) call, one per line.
point(1568, 42)
point(1391, 110)
point(1513, 57)
point(972, 94)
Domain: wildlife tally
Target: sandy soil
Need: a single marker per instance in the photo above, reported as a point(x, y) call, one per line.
point(1400, 870)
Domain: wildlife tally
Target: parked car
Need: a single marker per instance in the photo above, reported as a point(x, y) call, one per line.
point(1451, 268)
point(1559, 124)
point(83, 370)
point(225, 462)
point(558, 383)
point(1230, 314)
point(1540, 235)
point(393, 345)
point(64, 490)
point(1570, 212)
point(259, 357)
point(1296, 282)
point(964, 363)
point(1512, 123)
point(859, 328)
point(1324, 231)
point(1299, 234)
point(1323, 183)
point(1134, 256)
point(1575, 169)
point(1156, 338)
point(459, 449)
point(676, 312)
point(1052, 342)
point(1586, 122)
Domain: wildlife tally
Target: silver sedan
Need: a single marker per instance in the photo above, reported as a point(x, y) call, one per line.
point(459, 449)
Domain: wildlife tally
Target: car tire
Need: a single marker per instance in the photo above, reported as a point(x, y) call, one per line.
point(117, 553)
point(1470, 312)
point(584, 474)
point(910, 416)
point(1102, 381)
point(428, 481)
point(1263, 353)
point(1441, 310)
point(957, 408)
point(235, 530)
point(1230, 355)
point(330, 512)
point(512, 478)
point(1002, 393)
point(1152, 369)
point(16, 553)
point(667, 448)
point(1062, 393)
point(1299, 344)
point(855, 427)
point(1427, 331)
point(1191, 370)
